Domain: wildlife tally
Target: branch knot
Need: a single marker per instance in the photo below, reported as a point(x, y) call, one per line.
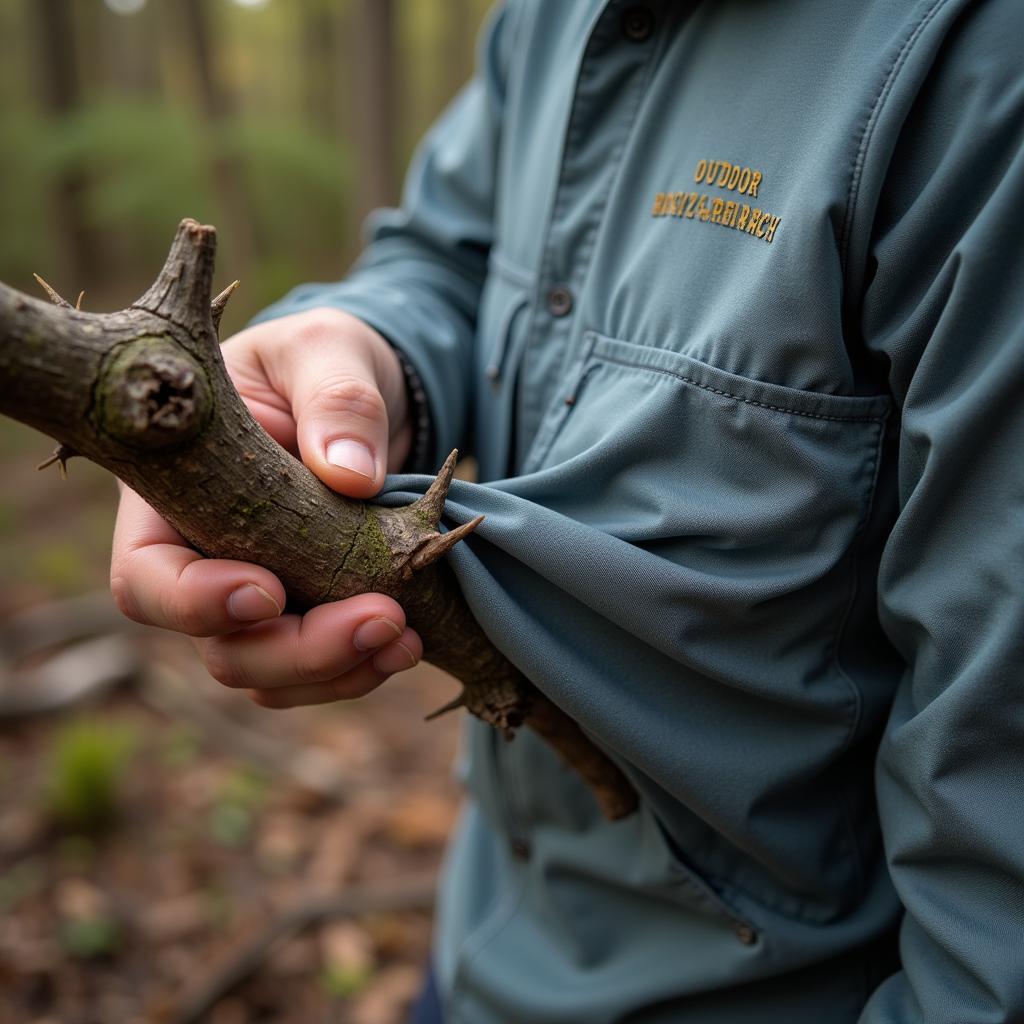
point(152, 394)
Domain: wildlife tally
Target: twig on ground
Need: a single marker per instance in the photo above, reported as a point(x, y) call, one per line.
point(413, 893)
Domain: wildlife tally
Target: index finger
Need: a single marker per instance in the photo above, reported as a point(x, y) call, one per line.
point(157, 579)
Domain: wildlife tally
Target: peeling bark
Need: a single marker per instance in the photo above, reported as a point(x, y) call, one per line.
point(144, 393)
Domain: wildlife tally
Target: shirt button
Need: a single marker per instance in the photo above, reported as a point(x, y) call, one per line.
point(637, 24)
point(559, 301)
point(520, 849)
point(746, 934)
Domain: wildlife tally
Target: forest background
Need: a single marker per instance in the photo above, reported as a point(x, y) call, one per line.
point(154, 832)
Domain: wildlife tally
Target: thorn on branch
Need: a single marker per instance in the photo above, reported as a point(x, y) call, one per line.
point(182, 290)
point(220, 302)
point(78, 303)
point(432, 503)
point(60, 455)
point(440, 544)
point(54, 297)
point(452, 705)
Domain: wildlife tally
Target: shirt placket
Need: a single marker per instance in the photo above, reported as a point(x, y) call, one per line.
point(610, 83)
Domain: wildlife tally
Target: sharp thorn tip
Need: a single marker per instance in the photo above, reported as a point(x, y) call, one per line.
point(452, 705)
point(60, 455)
point(218, 304)
point(440, 544)
point(432, 503)
point(52, 293)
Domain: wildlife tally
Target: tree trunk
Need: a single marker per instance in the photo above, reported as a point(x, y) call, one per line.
point(144, 393)
point(458, 46)
point(130, 49)
point(194, 21)
point(60, 93)
point(373, 48)
point(320, 66)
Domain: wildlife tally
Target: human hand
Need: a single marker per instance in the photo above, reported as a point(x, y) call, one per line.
point(330, 389)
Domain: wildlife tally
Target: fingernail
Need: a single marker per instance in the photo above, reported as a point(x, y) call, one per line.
point(250, 603)
point(396, 657)
point(375, 633)
point(351, 455)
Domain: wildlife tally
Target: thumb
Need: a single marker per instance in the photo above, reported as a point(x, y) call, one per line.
point(342, 430)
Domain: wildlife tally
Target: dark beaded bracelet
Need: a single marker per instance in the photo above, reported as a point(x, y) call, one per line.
point(422, 449)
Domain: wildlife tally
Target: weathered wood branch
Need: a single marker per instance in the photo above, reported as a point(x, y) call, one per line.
point(144, 393)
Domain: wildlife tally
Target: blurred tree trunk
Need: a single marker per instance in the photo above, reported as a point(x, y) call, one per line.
point(226, 172)
point(53, 33)
point(321, 62)
point(457, 59)
point(215, 105)
point(131, 48)
point(373, 54)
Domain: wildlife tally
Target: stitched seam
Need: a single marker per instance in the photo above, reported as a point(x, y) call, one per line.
point(740, 398)
point(874, 115)
point(547, 443)
point(836, 643)
point(512, 83)
point(512, 272)
point(858, 539)
point(598, 218)
point(598, 33)
point(535, 322)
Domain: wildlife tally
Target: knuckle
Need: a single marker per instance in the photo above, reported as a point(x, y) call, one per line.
point(308, 331)
point(265, 699)
point(314, 666)
point(125, 599)
point(351, 395)
point(222, 667)
point(180, 616)
point(339, 688)
point(316, 324)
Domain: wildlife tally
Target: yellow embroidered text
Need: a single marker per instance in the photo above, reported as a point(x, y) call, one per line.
point(723, 174)
point(714, 210)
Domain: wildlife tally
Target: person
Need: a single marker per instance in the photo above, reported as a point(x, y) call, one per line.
point(724, 297)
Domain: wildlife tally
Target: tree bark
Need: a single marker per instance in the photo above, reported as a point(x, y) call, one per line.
point(144, 393)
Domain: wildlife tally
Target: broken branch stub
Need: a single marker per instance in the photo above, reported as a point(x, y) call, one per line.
point(144, 392)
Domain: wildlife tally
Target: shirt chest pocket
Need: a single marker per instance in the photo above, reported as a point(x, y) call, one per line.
point(693, 451)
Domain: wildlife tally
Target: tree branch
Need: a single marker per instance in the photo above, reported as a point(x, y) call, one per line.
point(144, 393)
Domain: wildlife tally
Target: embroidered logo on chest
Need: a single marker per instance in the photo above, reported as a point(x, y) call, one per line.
point(738, 214)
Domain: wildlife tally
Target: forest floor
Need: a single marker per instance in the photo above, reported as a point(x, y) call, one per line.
point(170, 852)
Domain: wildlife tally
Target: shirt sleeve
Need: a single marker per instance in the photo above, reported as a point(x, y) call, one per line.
point(419, 279)
point(946, 309)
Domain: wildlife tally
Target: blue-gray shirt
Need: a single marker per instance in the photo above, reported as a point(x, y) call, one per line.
point(727, 298)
